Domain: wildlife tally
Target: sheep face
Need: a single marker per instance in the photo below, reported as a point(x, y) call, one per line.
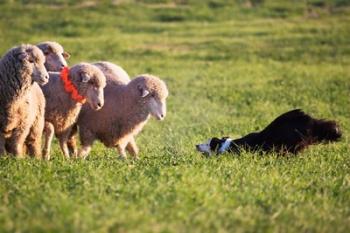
point(55, 56)
point(154, 93)
point(157, 107)
point(90, 82)
point(94, 96)
point(33, 59)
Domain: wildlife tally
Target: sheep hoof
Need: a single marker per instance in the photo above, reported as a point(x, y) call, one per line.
point(122, 157)
point(38, 157)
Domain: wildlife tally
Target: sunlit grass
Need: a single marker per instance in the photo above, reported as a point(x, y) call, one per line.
point(230, 70)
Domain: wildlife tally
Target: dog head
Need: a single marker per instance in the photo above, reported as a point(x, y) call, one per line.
point(216, 146)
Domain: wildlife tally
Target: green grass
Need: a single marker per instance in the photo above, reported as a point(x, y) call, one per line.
point(230, 69)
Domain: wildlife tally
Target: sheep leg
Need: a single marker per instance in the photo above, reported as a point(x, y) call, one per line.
point(16, 143)
point(72, 143)
point(132, 148)
point(87, 139)
point(63, 144)
point(84, 151)
point(33, 141)
point(2, 145)
point(121, 151)
point(49, 132)
point(72, 146)
point(121, 148)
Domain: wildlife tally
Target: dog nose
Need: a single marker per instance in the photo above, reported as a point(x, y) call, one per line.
point(99, 105)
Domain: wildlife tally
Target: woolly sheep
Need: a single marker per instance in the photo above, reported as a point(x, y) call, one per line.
point(114, 75)
point(22, 102)
point(55, 56)
point(62, 111)
point(127, 109)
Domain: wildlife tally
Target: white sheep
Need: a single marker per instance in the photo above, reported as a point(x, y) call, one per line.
point(127, 109)
point(55, 56)
point(22, 102)
point(62, 107)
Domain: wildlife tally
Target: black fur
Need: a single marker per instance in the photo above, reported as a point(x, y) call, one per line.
point(215, 143)
point(291, 132)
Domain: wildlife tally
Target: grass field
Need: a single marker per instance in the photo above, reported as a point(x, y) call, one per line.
point(230, 69)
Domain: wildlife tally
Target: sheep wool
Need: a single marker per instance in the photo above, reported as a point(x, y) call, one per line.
point(114, 73)
point(55, 56)
point(127, 109)
point(22, 102)
point(62, 110)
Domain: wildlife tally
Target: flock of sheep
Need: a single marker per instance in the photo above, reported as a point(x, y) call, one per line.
point(41, 96)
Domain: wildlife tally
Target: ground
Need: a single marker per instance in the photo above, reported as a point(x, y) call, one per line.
point(231, 67)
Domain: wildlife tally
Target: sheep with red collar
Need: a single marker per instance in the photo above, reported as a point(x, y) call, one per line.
point(115, 75)
point(65, 96)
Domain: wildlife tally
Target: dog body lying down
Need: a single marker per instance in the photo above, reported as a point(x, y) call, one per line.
point(291, 132)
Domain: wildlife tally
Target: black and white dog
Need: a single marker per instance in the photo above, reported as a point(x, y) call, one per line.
point(291, 132)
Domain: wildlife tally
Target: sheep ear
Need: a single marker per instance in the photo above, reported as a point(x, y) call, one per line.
point(47, 49)
point(66, 55)
point(143, 92)
point(84, 77)
point(22, 56)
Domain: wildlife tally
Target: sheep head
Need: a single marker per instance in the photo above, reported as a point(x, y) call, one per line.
point(55, 56)
point(90, 82)
point(32, 62)
point(153, 93)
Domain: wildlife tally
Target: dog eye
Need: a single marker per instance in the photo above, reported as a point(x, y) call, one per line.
point(31, 60)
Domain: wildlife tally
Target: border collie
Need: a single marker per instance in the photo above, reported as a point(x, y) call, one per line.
point(291, 132)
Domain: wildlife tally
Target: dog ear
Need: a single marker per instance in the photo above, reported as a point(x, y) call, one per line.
point(214, 143)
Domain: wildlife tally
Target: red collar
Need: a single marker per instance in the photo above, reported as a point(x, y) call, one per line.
point(69, 86)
